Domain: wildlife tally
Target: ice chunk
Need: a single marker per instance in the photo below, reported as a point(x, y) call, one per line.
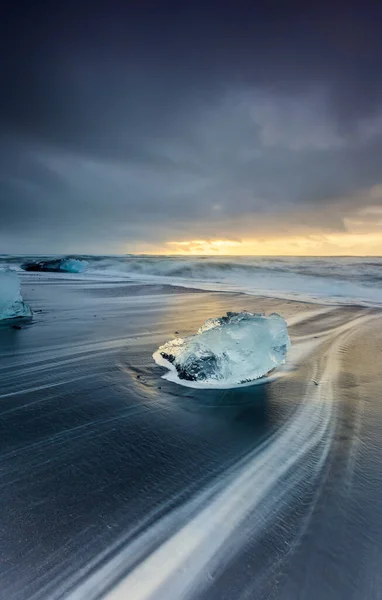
point(73, 265)
point(11, 302)
point(230, 350)
point(67, 265)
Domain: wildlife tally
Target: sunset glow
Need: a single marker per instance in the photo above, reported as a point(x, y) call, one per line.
point(351, 244)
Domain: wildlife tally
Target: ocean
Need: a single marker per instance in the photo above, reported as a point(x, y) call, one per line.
point(345, 280)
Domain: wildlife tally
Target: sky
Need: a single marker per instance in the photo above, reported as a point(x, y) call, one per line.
point(191, 127)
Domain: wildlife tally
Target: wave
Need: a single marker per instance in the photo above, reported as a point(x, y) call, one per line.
point(339, 280)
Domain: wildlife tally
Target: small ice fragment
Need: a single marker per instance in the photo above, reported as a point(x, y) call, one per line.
point(230, 350)
point(11, 302)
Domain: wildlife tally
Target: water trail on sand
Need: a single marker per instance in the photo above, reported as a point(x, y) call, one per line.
point(175, 556)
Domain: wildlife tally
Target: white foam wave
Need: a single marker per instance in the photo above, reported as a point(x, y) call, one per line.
point(332, 280)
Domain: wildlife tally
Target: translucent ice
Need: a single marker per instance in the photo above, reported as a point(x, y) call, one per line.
point(11, 302)
point(230, 350)
point(73, 265)
point(67, 265)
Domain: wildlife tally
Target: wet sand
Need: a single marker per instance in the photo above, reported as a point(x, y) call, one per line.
point(117, 483)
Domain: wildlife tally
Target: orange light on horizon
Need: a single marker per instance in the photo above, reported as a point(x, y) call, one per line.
point(340, 244)
point(206, 247)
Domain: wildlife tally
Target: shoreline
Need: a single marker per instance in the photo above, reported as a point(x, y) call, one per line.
point(105, 461)
point(179, 287)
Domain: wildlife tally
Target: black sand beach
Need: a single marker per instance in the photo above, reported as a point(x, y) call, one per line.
point(117, 483)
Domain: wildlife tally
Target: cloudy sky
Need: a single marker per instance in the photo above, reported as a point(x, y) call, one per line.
point(226, 127)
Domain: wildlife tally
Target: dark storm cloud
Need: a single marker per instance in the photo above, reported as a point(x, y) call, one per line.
point(144, 123)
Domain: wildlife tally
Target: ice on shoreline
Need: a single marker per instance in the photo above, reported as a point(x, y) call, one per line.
point(11, 302)
point(235, 349)
point(66, 265)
